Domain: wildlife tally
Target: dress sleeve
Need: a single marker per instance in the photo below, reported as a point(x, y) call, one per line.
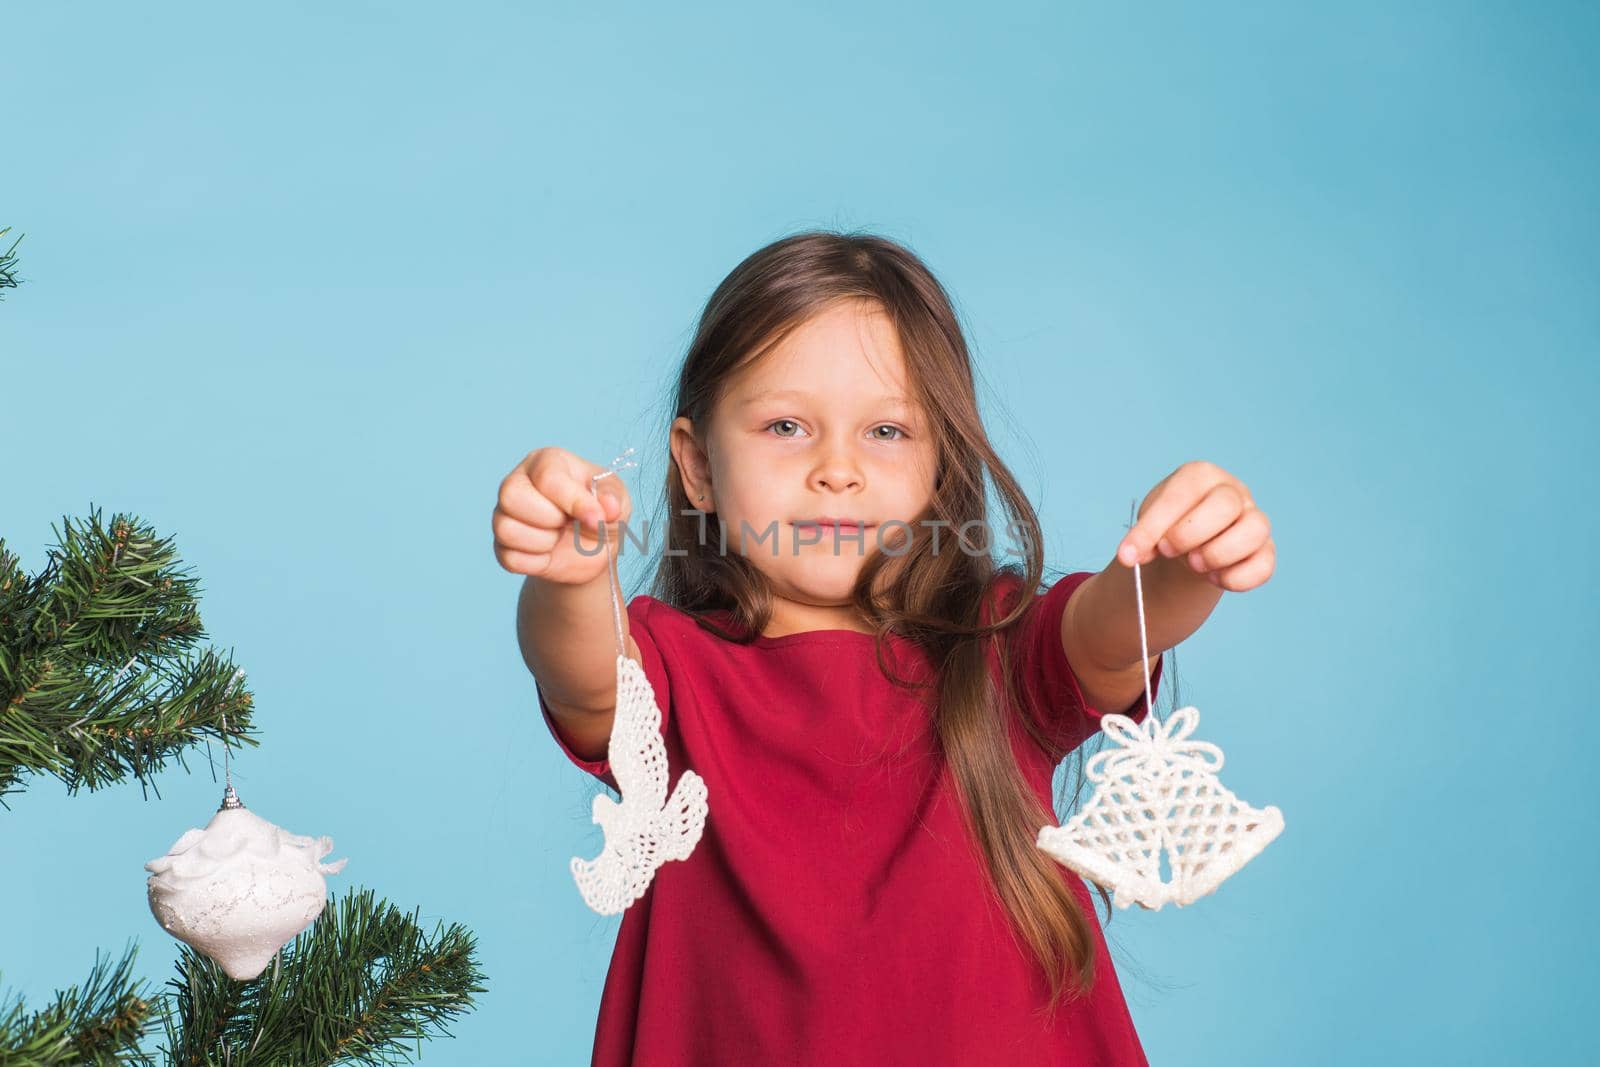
point(639, 628)
point(1048, 679)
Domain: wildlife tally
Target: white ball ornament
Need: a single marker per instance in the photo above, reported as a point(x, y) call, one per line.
point(240, 889)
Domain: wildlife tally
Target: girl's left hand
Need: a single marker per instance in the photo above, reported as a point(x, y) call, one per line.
point(1205, 513)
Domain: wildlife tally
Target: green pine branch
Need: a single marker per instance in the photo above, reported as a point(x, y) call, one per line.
point(355, 988)
point(97, 678)
point(8, 262)
point(359, 986)
point(101, 1024)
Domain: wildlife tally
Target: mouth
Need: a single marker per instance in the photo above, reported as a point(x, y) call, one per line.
point(829, 522)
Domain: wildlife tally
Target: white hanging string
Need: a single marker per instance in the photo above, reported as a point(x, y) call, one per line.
point(230, 799)
point(1144, 644)
point(620, 463)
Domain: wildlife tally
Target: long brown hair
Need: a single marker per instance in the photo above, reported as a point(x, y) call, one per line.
point(937, 596)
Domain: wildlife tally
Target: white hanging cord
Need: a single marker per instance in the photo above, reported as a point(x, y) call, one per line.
point(620, 463)
point(230, 799)
point(1144, 643)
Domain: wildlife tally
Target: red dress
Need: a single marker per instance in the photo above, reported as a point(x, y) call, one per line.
point(836, 910)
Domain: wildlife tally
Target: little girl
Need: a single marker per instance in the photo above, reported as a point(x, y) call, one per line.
point(874, 705)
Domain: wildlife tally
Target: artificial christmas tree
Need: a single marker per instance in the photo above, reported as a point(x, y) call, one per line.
point(99, 682)
point(8, 262)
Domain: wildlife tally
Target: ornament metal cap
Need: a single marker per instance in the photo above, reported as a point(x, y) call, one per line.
point(230, 800)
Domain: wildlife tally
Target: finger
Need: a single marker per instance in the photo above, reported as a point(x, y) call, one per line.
point(1239, 541)
point(614, 498)
point(1174, 498)
point(534, 563)
point(1247, 573)
point(521, 500)
point(1219, 509)
point(521, 537)
point(570, 488)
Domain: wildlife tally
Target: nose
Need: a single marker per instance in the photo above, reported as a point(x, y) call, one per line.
point(837, 472)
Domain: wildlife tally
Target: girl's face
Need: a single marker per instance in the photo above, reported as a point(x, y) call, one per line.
point(821, 427)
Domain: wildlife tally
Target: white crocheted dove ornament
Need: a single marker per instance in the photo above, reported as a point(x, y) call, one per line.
point(647, 828)
point(1156, 793)
point(240, 889)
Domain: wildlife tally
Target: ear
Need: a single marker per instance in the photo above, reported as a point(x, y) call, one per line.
point(694, 467)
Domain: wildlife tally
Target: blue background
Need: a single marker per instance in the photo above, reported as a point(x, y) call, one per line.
point(304, 282)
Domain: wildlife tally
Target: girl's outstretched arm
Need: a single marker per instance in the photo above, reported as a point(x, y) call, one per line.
point(1100, 626)
point(566, 615)
point(1198, 534)
point(568, 639)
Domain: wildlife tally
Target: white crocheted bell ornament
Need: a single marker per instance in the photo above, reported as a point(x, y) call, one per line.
point(1157, 792)
point(240, 889)
point(647, 828)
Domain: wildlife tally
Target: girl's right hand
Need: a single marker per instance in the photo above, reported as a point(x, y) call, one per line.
point(542, 501)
